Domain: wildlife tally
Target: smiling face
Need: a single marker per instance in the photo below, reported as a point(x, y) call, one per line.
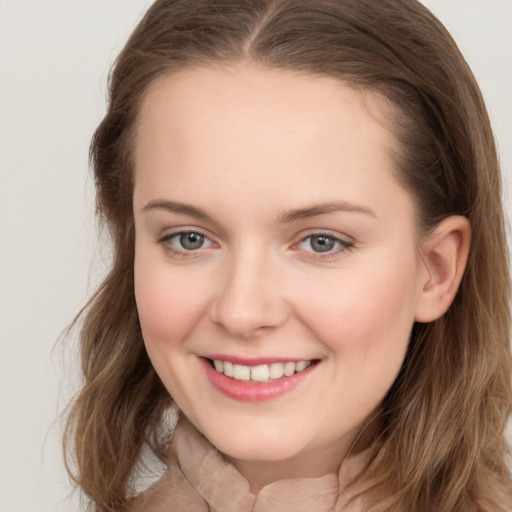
point(271, 230)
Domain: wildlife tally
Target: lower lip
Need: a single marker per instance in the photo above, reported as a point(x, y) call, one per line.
point(254, 391)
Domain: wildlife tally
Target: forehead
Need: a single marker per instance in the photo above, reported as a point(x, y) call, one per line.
point(273, 132)
point(242, 92)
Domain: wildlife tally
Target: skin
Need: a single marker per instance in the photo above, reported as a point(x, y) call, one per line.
point(247, 146)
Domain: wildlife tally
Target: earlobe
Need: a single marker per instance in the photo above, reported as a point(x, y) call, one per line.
point(444, 257)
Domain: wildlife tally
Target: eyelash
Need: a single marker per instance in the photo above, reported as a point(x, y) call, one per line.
point(165, 242)
point(342, 245)
point(169, 248)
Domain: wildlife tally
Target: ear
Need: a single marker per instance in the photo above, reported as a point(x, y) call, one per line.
point(444, 257)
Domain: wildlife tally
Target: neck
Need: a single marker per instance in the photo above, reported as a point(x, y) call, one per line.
point(310, 465)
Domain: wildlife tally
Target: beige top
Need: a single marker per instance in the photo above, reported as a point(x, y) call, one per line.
point(198, 479)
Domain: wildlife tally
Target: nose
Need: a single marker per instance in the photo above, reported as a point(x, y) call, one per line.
point(250, 297)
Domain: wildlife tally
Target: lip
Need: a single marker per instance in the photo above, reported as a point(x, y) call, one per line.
point(254, 391)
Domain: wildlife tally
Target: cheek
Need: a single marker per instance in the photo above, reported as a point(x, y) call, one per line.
point(364, 316)
point(169, 304)
point(364, 322)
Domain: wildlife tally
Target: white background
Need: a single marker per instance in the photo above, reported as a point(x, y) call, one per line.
point(54, 60)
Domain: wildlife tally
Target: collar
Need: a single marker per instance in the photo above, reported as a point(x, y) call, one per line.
point(224, 489)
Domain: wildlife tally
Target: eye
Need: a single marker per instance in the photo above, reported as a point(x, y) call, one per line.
point(190, 241)
point(185, 243)
point(323, 243)
point(320, 243)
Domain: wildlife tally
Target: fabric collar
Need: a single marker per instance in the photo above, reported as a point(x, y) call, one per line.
point(225, 490)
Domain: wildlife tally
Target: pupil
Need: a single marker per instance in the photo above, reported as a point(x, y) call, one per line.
point(191, 241)
point(322, 243)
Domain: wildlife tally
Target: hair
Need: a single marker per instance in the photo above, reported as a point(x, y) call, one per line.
point(441, 442)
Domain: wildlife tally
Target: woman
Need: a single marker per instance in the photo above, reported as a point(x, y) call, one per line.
point(309, 262)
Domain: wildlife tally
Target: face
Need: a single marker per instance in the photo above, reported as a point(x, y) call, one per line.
point(276, 268)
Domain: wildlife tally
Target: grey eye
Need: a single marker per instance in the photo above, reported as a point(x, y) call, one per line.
point(191, 241)
point(322, 243)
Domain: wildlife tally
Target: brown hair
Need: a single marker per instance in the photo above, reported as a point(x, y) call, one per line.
point(441, 446)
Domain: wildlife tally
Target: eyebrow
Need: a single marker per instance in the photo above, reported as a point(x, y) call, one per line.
point(285, 217)
point(175, 207)
point(294, 215)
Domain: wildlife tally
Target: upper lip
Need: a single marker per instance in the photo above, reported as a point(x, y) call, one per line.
point(254, 361)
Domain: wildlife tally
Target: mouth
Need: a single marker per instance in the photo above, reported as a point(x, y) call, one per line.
point(256, 380)
point(260, 372)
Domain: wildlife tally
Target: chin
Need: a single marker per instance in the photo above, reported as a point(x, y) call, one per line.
point(270, 444)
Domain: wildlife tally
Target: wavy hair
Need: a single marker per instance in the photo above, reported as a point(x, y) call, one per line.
point(441, 445)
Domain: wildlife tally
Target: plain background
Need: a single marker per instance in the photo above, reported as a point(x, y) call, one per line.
point(54, 61)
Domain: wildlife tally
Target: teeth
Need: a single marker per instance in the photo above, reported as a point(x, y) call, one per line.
point(289, 369)
point(228, 369)
point(276, 370)
point(241, 372)
point(259, 373)
point(301, 365)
